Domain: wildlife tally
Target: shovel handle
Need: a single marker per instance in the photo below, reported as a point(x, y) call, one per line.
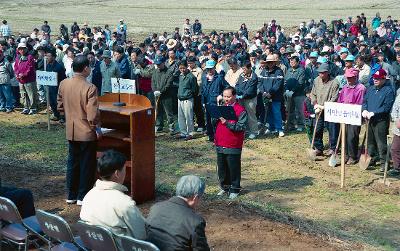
point(315, 130)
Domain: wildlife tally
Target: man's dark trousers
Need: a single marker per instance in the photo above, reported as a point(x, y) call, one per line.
point(333, 129)
point(377, 132)
point(81, 169)
point(229, 172)
point(352, 140)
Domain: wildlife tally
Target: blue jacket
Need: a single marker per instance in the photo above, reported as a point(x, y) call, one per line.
point(96, 76)
point(247, 88)
point(210, 90)
point(379, 101)
point(272, 82)
point(124, 68)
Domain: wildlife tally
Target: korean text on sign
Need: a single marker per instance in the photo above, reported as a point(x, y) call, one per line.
point(46, 78)
point(342, 113)
point(124, 86)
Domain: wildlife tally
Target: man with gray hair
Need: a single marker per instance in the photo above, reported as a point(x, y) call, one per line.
point(173, 224)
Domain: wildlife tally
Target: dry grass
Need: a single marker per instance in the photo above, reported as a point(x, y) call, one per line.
point(159, 15)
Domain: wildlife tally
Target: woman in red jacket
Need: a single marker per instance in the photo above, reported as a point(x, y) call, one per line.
point(229, 137)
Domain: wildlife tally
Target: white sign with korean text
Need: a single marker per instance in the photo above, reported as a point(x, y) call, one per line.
point(342, 113)
point(124, 86)
point(46, 78)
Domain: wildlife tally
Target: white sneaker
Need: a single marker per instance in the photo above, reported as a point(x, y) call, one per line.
point(252, 136)
point(281, 134)
point(79, 202)
point(70, 201)
point(299, 129)
point(233, 196)
point(200, 129)
point(222, 192)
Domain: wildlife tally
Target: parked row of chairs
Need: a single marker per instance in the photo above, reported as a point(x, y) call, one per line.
point(57, 234)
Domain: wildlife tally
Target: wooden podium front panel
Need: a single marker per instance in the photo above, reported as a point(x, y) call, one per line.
point(143, 157)
point(133, 135)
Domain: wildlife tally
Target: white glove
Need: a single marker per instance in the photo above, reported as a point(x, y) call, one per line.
point(287, 93)
point(317, 111)
point(316, 106)
point(219, 98)
point(370, 115)
point(137, 71)
point(157, 93)
point(364, 114)
point(321, 107)
point(312, 116)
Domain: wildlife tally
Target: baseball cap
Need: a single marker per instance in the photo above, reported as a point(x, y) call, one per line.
point(322, 60)
point(210, 64)
point(314, 54)
point(159, 60)
point(323, 68)
point(350, 58)
point(21, 45)
point(106, 54)
point(343, 50)
point(380, 74)
point(352, 72)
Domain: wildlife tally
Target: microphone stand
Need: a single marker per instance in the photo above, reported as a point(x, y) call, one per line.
point(119, 103)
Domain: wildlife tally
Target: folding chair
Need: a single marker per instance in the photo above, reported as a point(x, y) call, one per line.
point(17, 230)
point(58, 229)
point(96, 238)
point(129, 243)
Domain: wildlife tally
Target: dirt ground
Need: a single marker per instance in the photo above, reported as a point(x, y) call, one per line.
point(230, 226)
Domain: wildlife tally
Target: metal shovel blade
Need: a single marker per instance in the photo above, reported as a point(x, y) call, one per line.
point(364, 161)
point(312, 154)
point(333, 160)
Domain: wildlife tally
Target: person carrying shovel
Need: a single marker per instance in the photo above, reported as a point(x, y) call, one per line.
point(352, 93)
point(376, 108)
point(325, 89)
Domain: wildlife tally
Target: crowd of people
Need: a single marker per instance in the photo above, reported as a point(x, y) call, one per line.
point(276, 83)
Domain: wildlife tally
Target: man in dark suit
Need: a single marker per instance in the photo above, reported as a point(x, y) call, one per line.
point(77, 99)
point(173, 224)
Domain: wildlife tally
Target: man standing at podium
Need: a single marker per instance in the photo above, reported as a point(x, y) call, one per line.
point(77, 99)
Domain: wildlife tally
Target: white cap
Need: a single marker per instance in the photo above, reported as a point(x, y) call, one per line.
point(21, 45)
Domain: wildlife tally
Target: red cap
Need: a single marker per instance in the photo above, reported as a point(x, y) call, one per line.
point(380, 74)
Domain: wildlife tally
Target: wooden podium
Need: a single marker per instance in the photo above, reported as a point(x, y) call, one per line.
point(130, 130)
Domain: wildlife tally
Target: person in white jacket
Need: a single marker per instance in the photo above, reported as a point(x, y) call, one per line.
point(107, 205)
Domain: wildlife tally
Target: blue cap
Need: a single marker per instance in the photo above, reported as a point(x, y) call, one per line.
point(159, 60)
point(343, 50)
point(313, 54)
point(322, 60)
point(350, 58)
point(210, 64)
point(163, 47)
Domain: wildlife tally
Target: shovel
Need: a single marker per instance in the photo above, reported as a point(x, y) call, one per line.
point(365, 159)
point(389, 146)
point(312, 154)
point(333, 159)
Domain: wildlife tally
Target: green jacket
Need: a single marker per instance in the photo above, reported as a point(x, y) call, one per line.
point(108, 72)
point(161, 80)
point(188, 87)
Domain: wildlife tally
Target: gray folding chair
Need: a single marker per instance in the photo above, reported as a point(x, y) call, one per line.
point(17, 230)
point(56, 228)
point(96, 238)
point(129, 243)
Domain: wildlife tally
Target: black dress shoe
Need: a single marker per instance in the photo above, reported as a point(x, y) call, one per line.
point(394, 172)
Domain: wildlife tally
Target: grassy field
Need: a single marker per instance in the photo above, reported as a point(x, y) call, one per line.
point(145, 17)
point(278, 180)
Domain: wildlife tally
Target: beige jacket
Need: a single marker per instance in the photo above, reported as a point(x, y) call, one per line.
point(77, 98)
point(108, 206)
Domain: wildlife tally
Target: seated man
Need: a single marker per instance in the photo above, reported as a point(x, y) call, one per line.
point(173, 224)
point(107, 205)
point(22, 198)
